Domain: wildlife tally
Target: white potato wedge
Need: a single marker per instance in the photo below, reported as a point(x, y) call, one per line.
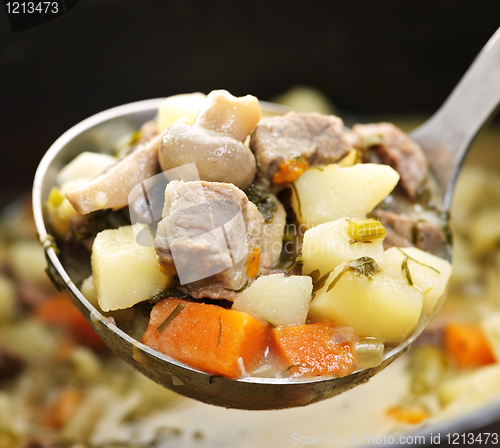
point(278, 299)
point(384, 307)
point(124, 272)
point(185, 106)
point(428, 273)
point(333, 192)
point(327, 245)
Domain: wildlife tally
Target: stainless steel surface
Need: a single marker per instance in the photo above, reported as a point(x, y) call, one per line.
point(101, 131)
point(448, 134)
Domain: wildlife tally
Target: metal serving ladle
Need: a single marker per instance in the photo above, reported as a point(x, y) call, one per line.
point(445, 138)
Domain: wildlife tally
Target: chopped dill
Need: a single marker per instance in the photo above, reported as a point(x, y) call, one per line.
point(366, 266)
point(170, 318)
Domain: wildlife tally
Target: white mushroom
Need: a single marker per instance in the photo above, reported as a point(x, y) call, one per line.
point(214, 142)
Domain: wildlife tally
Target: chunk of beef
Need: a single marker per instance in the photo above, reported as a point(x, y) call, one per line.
point(393, 147)
point(209, 237)
point(404, 231)
point(316, 138)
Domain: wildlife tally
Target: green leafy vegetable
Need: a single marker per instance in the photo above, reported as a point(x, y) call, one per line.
point(263, 200)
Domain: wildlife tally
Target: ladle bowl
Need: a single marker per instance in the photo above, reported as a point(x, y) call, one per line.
point(445, 138)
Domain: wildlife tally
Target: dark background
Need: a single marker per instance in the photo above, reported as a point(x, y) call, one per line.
point(369, 57)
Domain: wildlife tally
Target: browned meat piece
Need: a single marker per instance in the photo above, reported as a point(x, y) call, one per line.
point(316, 138)
point(210, 237)
point(10, 363)
point(393, 147)
point(404, 231)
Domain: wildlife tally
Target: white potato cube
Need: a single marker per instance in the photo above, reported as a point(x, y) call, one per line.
point(89, 291)
point(185, 106)
point(385, 307)
point(124, 272)
point(28, 263)
point(272, 233)
point(278, 299)
point(327, 245)
point(333, 192)
point(485, 230)
point(86, 166)
point(428, 273)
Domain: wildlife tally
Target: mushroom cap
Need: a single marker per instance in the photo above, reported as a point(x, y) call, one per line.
point(219, 157)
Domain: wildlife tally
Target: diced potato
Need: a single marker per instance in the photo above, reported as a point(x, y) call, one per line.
point(124, 272)
point(272, 234)
point(428, 273)
point(86, 166)
point(385, 307)
point(327, 245)
point(335, 192)
point(466, 268)
point(28, 263)
point(61, 212)
point(351, 159)
point(88, 290)
point(485, 230)
point(185, 106)
point(467, 197)
point(278, 299)
point(471, 388)
point(306, 99)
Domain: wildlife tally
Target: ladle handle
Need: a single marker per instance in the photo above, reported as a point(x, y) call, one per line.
point(448, 134)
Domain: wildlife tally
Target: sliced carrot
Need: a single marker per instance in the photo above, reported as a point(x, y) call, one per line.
point(207, 337)
point(467, 345)
point(59, 310)
point(310, 349)
point(289, 171)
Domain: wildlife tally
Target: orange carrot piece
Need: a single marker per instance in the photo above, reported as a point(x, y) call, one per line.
point(60, 410)
point(309, 349)
point(59, 310)
point(467, 345)
point(207, 337)
point(408, 414)
point(289, 171)
point(253, 263)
